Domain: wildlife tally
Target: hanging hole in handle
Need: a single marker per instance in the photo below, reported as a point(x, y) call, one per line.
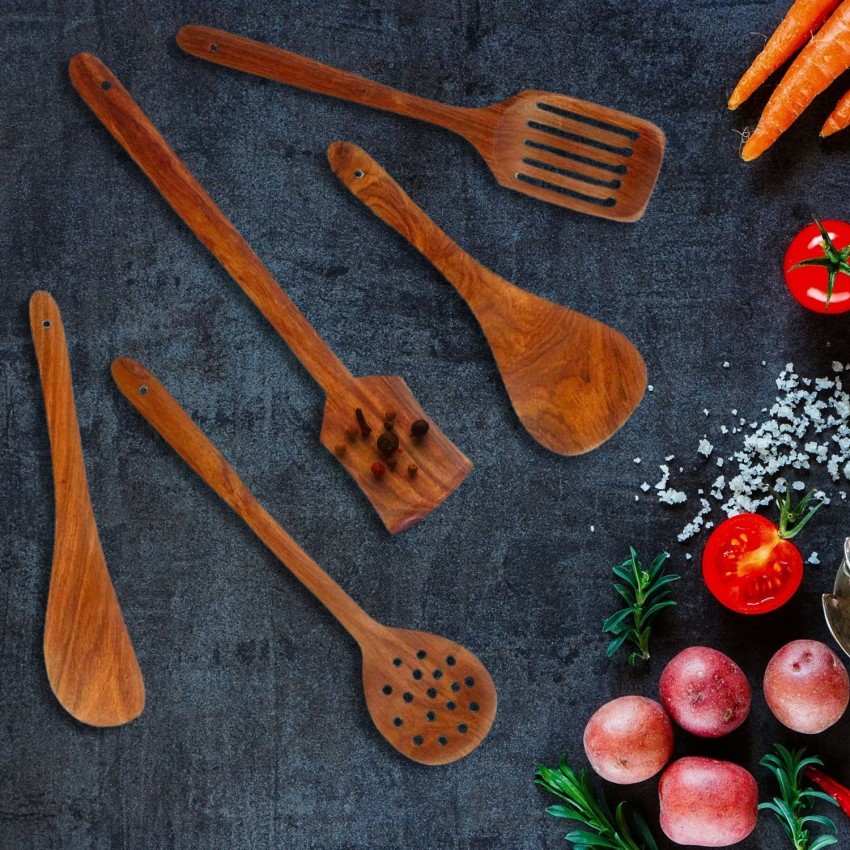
point(106, 85)
point(213, 48)
point(359, 173)
point(47, 323)
point(143, 390)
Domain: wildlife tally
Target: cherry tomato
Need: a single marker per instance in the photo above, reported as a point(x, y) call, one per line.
point(749, 567)
point(808, 284)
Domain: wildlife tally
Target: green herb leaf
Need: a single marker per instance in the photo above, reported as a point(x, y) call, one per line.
point(792, 808)
point(647, 594)
point(624, 830)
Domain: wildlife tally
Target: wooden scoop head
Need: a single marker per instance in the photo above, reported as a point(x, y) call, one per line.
point(431, 698)
point(573, 153)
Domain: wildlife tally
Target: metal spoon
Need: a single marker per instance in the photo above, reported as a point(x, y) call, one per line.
point(836, 605)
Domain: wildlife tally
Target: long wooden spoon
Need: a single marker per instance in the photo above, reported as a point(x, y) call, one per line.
point(572, 380)
point(555, 148)
point(400, 496)
point(90, 662)
point(430, 698)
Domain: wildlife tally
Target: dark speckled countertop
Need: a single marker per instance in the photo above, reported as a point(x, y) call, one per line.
point(255, 733)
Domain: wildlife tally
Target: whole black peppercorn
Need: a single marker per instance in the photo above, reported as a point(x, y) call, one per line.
point(388, 443)
point(419, 428)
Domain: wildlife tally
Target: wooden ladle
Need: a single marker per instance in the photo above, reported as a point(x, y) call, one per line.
point(430, 698)
point(400, 497)
point(573, 381)
point(555, 148)
point(91, 665)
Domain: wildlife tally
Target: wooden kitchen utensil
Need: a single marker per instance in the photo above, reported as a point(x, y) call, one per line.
point(90, 662)
point(430, 698)
point(556, 148)
point(572, 380)
point(400, 496)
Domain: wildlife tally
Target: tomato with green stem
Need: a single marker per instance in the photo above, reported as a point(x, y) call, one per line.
point(750, 564)
point(817, 266)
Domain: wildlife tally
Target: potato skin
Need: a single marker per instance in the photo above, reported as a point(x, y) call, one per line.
point(628, 739)
point(707, 803)
point(806, 686)
point(705, 692)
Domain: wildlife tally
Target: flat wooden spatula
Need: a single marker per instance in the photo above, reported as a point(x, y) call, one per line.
point(412, 483)
point(91, 665)
point(556, 148)
point(572, 380)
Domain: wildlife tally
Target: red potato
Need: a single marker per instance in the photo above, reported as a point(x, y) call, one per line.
point(628, 740)
point(707, 803)
point(806, 686)
point(705, 692)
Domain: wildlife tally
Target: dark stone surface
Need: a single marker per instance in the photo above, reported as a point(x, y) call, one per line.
point(255, 732)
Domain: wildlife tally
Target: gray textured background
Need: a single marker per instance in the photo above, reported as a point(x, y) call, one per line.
point(255, 733)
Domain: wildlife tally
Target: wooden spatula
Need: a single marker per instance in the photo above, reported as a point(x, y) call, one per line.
point(90, 662)
point(556, 148)
point(431, 467)
point(431, 698)
point(572, 380)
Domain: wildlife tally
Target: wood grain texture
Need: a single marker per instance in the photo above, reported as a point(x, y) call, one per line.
point(573, 381)
point(91, 665)
point(400, 499)
point(556, 148)
point(431, 698)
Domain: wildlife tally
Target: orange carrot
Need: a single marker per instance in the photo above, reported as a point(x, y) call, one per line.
point(823, 59)
point(803, 18)
point(839, 118)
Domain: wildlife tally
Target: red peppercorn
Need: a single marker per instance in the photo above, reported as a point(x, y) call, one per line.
point(378, 470)
point(412, 469)
point(419, 428)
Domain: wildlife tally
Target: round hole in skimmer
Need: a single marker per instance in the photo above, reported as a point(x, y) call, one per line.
point(443, 740)
point(106, 85)
point(213, 48)
point(451, 705)
point(469, 681)
point(438, 674)
point(431, 716)
point(462, 728)
point(387, 689)
point(421, 654)
point(397, 721)
point(417, 674)
point(47, 323)
point(396, 662)
point(451, 661)
point(407, 696)
point(473, 706)
point(455, 686)
point(432, 692)
point(418, 740)
point(359, 173)
point(143, 390)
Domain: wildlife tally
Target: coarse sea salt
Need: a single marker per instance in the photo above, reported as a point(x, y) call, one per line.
point(808, 426)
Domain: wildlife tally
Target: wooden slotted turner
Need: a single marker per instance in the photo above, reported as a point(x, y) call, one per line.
point(399, 497)
point(91, 665)
point(573, 381)
point(556, 148)
point(431, 698)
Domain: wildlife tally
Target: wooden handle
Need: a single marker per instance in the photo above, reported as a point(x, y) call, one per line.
point(374, 187)
point(73, 504)
point(274, 63)
point(119, 113)
point(172, 423)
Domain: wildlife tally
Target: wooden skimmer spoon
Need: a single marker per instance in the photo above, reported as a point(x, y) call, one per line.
point(90, 662)
point(430, 698)
point(556, 148)
point(400, 497)
point(572, 380)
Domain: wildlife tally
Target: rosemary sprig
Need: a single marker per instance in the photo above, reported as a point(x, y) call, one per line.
point(646, 593)
point(791, 807)
point(625, 829)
